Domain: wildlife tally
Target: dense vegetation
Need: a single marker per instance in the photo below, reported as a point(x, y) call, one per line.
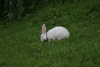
point(20, 44)
point(11, 9)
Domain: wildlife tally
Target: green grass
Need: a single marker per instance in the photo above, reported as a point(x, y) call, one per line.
point(20, 44)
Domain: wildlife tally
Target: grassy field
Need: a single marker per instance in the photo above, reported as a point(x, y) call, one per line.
point(20, 44)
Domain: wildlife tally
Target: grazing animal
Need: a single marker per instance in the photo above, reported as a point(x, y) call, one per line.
point(56, 33)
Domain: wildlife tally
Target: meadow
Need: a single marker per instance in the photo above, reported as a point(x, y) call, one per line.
point(20, 44)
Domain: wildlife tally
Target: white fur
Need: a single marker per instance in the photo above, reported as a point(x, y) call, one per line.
point(57, 33)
